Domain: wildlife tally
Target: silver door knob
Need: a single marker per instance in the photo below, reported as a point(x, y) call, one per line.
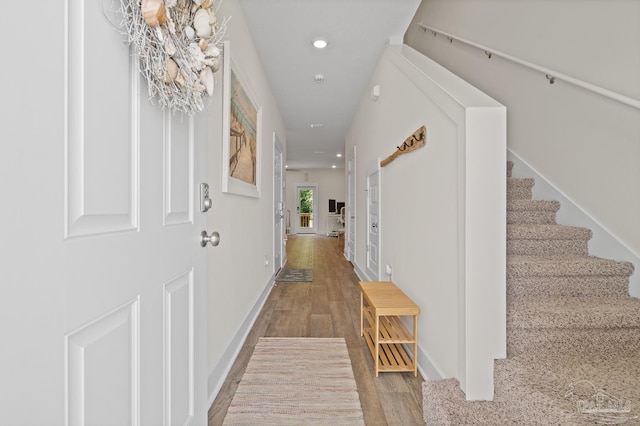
point(214, 238)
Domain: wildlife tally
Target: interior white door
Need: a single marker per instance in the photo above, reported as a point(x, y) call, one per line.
point(102, 314)
point(306, 209)
point(373, 225)
point(278, 204)
point(350, 244)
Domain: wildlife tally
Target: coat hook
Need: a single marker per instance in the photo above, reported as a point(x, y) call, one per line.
point(488, 54)
point(551, 79)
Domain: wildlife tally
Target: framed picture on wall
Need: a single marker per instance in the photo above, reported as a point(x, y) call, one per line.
point(242, 122)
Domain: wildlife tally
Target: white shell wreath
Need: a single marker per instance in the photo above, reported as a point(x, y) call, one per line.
point(179, 45)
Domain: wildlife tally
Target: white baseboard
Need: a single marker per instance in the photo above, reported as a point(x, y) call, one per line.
point(219, 373)
point(426, 367)
point(602, 244)
point(360, 273)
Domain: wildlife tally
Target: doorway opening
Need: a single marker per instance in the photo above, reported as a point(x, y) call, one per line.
point(306, 209)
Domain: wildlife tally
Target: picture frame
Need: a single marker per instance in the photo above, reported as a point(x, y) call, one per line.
point(242, 131)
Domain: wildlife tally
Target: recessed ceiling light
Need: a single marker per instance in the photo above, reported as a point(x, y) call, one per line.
point(338, 155)
point(333, 167)
point(320, 43)
point(316, 125)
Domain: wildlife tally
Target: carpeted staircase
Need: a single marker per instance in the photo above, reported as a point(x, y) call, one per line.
point(573, 332)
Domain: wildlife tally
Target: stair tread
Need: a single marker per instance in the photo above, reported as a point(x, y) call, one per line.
point(547, 232)
point(574, 312)
point(568, 378)
point(521, 181)
point(447, 401)
point(528, 397)
point(566, 265)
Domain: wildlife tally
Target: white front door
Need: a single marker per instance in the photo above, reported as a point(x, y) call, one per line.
point(101, 317)
point(306, 209)
point(278, 203)
point(373, 225)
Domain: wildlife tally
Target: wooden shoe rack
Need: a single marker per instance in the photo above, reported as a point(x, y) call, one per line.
point(382, 304)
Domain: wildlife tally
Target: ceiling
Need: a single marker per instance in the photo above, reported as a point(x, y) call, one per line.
point(357, 32)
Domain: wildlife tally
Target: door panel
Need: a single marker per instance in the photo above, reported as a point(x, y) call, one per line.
point(350, 245)
point(178, 169)
point(179, 349)
point(278, 202)
point(373, 225)
point(102, 360)
point(101, 158)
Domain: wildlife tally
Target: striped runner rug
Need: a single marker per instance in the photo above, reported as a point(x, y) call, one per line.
point(297, 381)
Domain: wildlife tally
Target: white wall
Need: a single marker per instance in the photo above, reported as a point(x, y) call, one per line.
point(331, 185)
point(425, 196)
point(239, 278)
point(585, 145)
point(408, 216)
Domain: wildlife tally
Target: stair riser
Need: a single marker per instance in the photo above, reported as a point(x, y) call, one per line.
point(535, 217)
point(444, 403)
point(435, 410)
point(519, 189)
point(441, 402)
point(524, 287)
point(566, 341)
point(547, 247)
point(560, 270)
point(516, 192)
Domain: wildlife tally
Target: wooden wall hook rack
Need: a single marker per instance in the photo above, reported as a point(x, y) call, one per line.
point(413, 142)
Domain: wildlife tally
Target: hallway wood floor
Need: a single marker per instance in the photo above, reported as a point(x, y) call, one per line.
point(327, 307)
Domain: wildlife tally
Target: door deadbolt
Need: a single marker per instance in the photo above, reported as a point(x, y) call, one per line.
point(214, 238)
point(205, 201)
